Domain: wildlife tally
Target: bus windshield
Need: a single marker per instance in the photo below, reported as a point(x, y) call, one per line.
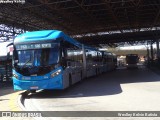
point(37, 57)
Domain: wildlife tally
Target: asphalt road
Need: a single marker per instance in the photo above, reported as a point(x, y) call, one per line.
point(120, 90)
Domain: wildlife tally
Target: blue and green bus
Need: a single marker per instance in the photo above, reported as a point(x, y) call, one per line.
point(50, 59)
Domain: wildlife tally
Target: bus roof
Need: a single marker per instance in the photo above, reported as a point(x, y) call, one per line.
point(107, 52)
point(132, 55)
point(47, 35)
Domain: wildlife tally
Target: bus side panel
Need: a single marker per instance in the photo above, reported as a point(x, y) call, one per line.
point(91, 71)
point(75, 73)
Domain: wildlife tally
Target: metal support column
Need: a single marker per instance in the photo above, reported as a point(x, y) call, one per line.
point(152, 51)
point(84, 62)
point(157, 43)
point(147, 52)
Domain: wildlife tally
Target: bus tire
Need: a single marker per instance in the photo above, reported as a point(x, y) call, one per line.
point(81, 76)
point(70, 80)
point(97, 71)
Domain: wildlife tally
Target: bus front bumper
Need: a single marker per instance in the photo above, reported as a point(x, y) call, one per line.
point(52, 83)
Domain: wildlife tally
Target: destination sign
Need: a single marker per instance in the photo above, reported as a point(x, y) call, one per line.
point(35, 46)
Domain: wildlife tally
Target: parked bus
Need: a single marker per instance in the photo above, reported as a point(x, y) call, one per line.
point(50, 59)
point(5, 64)
point(132, 60)
point(5, 69)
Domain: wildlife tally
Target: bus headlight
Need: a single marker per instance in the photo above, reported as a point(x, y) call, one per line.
point(15, 75)
point(55, 73)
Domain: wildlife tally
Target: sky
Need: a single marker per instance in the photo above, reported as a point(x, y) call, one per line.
point(3, 49)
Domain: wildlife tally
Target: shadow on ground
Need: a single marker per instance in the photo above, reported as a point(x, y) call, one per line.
point(142, 74)
point(96, 86)
point(102, 85)
point(6, 87)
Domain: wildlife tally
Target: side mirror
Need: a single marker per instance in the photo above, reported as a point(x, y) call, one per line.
point(63, 62)
point(8, 55)
point(15, 64)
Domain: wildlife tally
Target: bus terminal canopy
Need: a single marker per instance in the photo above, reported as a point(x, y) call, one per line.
point(82, 17)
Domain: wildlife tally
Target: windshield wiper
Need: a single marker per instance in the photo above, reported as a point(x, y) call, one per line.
point(26, 63)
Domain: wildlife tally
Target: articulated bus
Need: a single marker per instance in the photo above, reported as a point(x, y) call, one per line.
point(50, 59)
point(132, 60)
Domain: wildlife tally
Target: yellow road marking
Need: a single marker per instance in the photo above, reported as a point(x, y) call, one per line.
point(13, 102)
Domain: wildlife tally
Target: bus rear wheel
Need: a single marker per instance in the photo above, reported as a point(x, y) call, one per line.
point(81, 77)
point(70, 80)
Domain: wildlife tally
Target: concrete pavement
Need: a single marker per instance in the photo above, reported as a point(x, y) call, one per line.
point(121, 90)
point(9, 101)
